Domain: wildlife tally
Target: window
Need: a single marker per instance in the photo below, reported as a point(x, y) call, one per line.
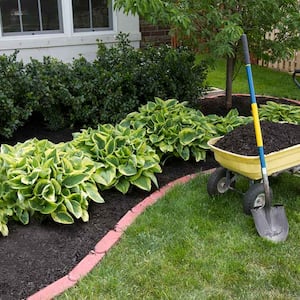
point(30, 16)
point(91, 15)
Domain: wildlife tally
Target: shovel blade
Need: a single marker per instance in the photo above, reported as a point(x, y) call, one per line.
point(271, 223)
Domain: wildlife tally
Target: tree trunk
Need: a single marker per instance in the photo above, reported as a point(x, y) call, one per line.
point(230, 62)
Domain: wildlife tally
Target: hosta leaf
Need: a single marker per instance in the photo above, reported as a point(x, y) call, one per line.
point(185, 153)
point(143, 183)
point(100, 140)
point(105, 176)
point(68, 168)
point(164, 147)
point(93, 193)
point(40, 185)
point(48, 193)
point(23, 216)
point(112, 160)
point(187, 135)
point(74, 179)
point(16, 183)
point(128, 170)
point(6, 148)
point(171, 102)
point(110, 146)
point(31, 178)
point(85, 216)
point(74, 207)
point(154, 138)
point(36, 203)
point(10, 198)
point(198, 154)
point(152, 177)
point(56, 185)
point(4, 229)
point(123, 185)
point(48, 207)
point(62, 216)
point(149, 163)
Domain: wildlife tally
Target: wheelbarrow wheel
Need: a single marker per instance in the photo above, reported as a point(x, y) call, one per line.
point(217, 182)
point(255, 197)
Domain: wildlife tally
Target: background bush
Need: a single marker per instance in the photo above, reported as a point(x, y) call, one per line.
point(85, 94)
point(16, 98)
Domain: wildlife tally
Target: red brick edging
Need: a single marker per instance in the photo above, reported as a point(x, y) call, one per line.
point(104, 245)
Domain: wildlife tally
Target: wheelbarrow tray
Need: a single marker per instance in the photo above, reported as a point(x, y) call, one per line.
point(249, 166)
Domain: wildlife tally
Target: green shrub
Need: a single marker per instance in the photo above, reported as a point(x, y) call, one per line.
point(167, 73)
point(16, 98)
point(50, 82)
point(134, 77)
point(85, 94)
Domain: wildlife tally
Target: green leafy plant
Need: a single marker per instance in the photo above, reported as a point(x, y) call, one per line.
point(16, 102)
point(276, 112)
point(41, 177)
point(50, 82)
point(172, 128)
point(125, 157)
point(226, 124)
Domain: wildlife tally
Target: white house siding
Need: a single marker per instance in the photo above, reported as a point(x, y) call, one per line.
point(69, 44)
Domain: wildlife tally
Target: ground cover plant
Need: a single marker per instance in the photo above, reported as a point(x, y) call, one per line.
point(202, 247)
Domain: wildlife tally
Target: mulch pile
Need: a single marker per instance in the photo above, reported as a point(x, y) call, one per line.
point(276, 137)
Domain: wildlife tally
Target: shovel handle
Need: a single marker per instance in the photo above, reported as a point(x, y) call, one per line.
point(257, 128)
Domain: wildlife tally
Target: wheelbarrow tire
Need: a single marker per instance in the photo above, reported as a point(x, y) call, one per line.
point(255, 197)
point(217, 182)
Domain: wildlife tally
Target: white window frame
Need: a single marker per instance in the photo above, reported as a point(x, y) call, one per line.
point(70, 44)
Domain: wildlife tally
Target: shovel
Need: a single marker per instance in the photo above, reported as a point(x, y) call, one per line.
point(270, 221)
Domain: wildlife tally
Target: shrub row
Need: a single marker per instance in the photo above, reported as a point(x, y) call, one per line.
point(86, 94)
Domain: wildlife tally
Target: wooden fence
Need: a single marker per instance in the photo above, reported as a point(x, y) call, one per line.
point(284, 65)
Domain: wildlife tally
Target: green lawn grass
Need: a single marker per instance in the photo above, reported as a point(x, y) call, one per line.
point(266, 81)
point(191, 246)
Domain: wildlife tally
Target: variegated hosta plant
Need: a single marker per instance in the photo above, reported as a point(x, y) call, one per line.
point(172, 128)
point(226, 124)
point(39, 176)
point(125, 157)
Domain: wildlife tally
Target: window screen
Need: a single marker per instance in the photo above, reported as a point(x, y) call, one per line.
point(89, 15)
point(30, 16)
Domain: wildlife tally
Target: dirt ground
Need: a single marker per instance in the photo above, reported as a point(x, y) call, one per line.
point(35, 255)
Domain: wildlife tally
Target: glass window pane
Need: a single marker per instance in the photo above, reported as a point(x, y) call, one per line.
point(50, 17)
point(30, 15)
point(10, 16)
point(100, 13)
point(81, 14)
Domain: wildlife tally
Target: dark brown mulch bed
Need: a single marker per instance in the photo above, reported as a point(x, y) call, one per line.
point(35, 255)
